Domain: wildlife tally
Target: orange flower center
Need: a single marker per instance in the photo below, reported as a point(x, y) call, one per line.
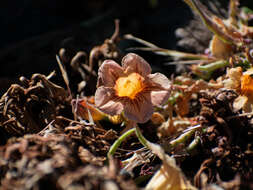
point(129, 86)
point(247, 84)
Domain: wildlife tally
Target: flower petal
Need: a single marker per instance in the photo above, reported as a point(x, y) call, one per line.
point(159, 97)
point(112, 108)
point(105, 100)
point(139, 110)
point(134, 63)
point(109, 72)
point(103, 95)
point(159, 80)
point(82, 106)
point(159, 86)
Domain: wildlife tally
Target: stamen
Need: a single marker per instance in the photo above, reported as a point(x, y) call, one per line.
point(129, 86)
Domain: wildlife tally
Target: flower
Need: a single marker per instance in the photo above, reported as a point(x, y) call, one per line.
point(242, 82)
point(130, 88)
point(83, 105)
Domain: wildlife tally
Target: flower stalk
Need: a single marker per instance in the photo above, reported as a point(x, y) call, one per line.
point(118, 142)
point(184, 137)
point(192, 146)
point(205, 71)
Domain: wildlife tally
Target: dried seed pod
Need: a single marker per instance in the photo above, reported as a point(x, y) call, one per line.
point(30, 108)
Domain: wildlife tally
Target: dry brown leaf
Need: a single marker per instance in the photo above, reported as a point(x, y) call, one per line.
point(169, 176)
point(220, 49)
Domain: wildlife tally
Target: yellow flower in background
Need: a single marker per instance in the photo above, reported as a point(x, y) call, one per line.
point(247, 84)
point(130, 88)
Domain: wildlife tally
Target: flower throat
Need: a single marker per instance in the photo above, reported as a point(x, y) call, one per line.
point(129, 86)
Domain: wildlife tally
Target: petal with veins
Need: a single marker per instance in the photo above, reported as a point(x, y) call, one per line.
point(159, 97)
point(103, 95)
point(160, 80)
point(140, 109)
point(112, 107)
point(109, 72)
point(134, 63)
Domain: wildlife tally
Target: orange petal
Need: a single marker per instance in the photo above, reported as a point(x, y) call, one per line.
point(247, 85)
point(82, 110)
point(134, 63)
point(91, 100)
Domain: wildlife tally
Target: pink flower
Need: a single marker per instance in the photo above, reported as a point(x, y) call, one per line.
point(130, 88)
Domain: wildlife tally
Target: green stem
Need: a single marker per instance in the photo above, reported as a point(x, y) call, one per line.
point(213, 66)
point(205, 71)
point(181, 139)
point(140, 137)
point(117, 143)
point(193, 144)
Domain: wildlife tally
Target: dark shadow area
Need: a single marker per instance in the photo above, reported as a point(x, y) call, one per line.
point(32, 32)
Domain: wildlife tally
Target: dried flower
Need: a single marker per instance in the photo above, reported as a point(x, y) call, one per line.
point(83, 105)
point(131, 89)
point(157, 118)
point(233, 80)
point(219, 48)
point(242, 82)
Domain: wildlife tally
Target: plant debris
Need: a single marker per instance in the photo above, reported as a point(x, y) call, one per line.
point(119, 127)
